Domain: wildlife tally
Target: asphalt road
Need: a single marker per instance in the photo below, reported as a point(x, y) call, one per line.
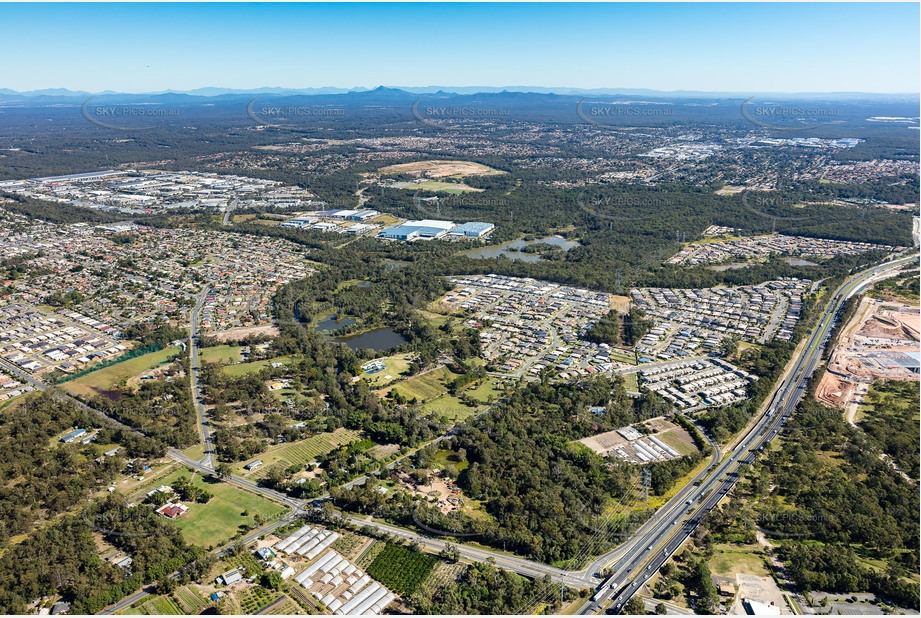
point(195, 364)
point(649, 551)
point(659, 537)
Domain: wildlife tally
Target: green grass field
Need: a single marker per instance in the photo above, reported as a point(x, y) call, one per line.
point(482, 393)
point(396, 365)
point(446, 187)
point(107, 378)
point(427, 386)
point(253, 367)
point(630, 382)
point(302, 451)
point(449, 406)
point(221, 354)
point(217, 521)
point(729, 559)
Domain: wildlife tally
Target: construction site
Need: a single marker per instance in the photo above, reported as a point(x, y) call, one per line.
point(880, 342)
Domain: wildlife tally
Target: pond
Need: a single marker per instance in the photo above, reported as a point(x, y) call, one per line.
point(379, 339)
point(511, 249)
point(332, 322)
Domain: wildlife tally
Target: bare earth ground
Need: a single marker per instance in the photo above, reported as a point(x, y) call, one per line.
point(441, 169)
point(763, 589)
point(678, 438)
point(235, 334)
point(877, 327)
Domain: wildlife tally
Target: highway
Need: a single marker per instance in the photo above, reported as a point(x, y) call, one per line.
point(636, 560)
point(650, 550)
point(195, 364)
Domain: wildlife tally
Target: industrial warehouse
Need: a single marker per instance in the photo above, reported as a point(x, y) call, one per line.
point(428, 229)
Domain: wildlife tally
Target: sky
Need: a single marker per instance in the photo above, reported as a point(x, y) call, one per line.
point(758, 48)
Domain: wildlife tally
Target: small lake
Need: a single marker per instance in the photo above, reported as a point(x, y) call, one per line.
point(379, 339)
point(511, 249)
point(331, 323)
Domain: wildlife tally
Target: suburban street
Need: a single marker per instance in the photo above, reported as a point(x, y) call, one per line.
point(649, 551)
point(637, 559)
point(195, 365)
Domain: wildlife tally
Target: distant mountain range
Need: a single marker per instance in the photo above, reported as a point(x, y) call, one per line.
point(63, 95)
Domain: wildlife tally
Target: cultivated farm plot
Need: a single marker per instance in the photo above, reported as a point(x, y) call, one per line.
point(282, 606)
point(256, 598)
point(304, 451)
point(190, 599)
point(401, 569)
point(162, 605)
point(106, 379)
point(426, 386)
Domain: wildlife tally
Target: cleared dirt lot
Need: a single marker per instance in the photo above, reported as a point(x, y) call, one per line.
point(878, 332)
point(441, 169)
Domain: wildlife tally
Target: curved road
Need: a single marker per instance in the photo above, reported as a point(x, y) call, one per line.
point(636, 560)
point(649, 552)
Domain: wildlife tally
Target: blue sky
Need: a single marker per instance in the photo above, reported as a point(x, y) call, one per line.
point(816, 47)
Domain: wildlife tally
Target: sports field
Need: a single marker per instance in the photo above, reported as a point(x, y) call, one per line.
point(105, 380)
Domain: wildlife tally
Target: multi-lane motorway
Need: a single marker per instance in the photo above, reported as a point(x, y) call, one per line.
point(650, 550)
point(636, 560)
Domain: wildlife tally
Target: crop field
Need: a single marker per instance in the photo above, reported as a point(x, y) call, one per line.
point(303, 451)
point(427, 386)
point(221, 354)
point(401, 569)
point(217, 521)
point(255, 598)
point(191, 600)
point(106, 379)
point(282, 606)
point(163, 605)
point(443, 574)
